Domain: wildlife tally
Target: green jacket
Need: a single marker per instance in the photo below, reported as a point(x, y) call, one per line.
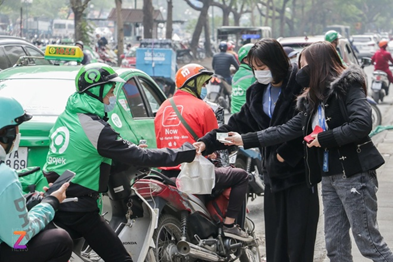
point(241, 81)
point(83, 142)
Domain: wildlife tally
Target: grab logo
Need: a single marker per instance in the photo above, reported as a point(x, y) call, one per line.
point(60, 139)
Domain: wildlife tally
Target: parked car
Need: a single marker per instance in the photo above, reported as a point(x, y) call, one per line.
point(366, 44)
point(344, 47)
point(43, 92)
point(12, 48)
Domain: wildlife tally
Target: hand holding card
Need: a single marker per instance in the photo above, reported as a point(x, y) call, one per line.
point(310, 138)
point(221, 137)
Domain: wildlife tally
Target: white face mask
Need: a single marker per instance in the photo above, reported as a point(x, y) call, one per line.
point(263, 76)
point(15, 145)
point(112, 104)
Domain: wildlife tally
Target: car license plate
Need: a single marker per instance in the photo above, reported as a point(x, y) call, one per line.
point(17, 160)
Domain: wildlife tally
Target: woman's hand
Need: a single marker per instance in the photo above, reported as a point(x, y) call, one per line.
point(235, 139)
point(280, 159)
point(315, 142)
point(60, 193)
point(200, 147)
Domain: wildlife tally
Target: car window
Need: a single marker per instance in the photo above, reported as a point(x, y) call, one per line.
point(14, 52)
point(33, 52)
point(3, 60)
point(152, 95)
point(29, 92)
point(134, 99)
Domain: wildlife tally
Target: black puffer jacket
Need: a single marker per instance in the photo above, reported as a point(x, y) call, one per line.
point(348, 116)
point(222, 62)
point(251, 118)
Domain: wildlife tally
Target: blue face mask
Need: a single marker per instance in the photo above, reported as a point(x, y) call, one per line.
point(112, 104)
point(203, 93)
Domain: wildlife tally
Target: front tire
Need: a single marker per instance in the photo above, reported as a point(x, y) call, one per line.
point(375, 96)
point(250, 253)
point(168, 233)
point(376, 116)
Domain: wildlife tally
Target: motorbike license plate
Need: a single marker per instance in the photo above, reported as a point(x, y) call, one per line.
point(376, 86)
point(17, 160)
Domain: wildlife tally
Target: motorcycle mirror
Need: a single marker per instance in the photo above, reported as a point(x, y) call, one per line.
point(366, 61)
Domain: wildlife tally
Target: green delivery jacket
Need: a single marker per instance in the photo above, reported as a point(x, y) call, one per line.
point(83, 142)
point(241, 81)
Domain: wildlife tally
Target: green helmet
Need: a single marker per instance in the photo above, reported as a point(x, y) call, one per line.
point(243, 51)
point(95, 74)
point(331, 35)
point(15, 116)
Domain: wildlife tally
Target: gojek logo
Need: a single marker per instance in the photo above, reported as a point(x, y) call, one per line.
point(60, 139)
point(21, 236)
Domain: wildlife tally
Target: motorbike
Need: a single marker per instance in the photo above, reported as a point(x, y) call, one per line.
point(188, 229)
point(379, 85)
point(376, 114)
point(219, 92)
point(107, 56)
point(183, 56)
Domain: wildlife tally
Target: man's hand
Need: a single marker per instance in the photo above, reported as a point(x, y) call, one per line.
point(235, 139)
point(60, 193)
point(280, 159)
point(200, 147)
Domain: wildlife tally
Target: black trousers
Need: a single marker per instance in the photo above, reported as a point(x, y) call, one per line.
point(50, 245)
point(227, 177)
point(291, 218)
point(97, 233)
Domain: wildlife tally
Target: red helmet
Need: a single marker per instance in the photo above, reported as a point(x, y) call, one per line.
point(188, 72)
point(383, 43)
point(231, 45)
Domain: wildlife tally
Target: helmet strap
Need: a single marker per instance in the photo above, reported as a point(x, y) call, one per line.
point(193, 88)
point(93, 95)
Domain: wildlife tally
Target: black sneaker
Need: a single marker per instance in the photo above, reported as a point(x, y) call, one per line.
point(237, 233)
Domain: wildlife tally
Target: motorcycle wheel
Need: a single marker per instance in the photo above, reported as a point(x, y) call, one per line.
point(187, 59)
point(376, 116)
point(375, 96)
point(168, 232)
point(250, 253)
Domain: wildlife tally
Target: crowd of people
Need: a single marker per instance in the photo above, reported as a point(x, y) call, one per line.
point(280, 100)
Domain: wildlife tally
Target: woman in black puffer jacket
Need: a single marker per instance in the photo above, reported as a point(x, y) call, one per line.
point(342, 155)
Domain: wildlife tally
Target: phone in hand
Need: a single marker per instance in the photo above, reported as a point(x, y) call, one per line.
point(317, 130)
point(67, 176)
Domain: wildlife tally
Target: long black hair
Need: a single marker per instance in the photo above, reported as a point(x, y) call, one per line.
point(270, 52)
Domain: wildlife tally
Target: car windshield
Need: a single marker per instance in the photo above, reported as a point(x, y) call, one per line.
point(362, 39)
point(39, 97)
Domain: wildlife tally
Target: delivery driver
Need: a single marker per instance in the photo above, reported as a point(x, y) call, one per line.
point(170, 132)
point(83, 142)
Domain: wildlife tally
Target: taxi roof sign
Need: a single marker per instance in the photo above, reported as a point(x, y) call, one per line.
point(63, 52)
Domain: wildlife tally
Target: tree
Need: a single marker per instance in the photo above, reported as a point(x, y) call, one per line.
point(120, 31)
point(148, 19)
point(169, 20)
point(78, 7)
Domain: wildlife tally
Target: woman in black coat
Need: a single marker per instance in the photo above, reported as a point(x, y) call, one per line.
point(271, 101)
point(342, 155)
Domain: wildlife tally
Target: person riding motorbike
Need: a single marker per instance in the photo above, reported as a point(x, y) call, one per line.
point(222, 62)
point(291, 53)
point(230, 50)
point(40, 243)
point(83, 141)
point(190, 81)
point(381, 60)
point(333, 36)
point(242, 80)
point(86, 57)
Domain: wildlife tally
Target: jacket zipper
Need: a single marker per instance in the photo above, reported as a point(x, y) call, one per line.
point(360, 145)
point(341, 162)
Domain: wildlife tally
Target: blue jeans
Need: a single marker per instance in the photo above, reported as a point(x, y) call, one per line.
point(352, 203)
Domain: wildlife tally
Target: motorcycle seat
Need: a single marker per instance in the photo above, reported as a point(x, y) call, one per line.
point(379, 72)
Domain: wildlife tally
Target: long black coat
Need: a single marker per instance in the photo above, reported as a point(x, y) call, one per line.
point(348, 116)
point(252, 118)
